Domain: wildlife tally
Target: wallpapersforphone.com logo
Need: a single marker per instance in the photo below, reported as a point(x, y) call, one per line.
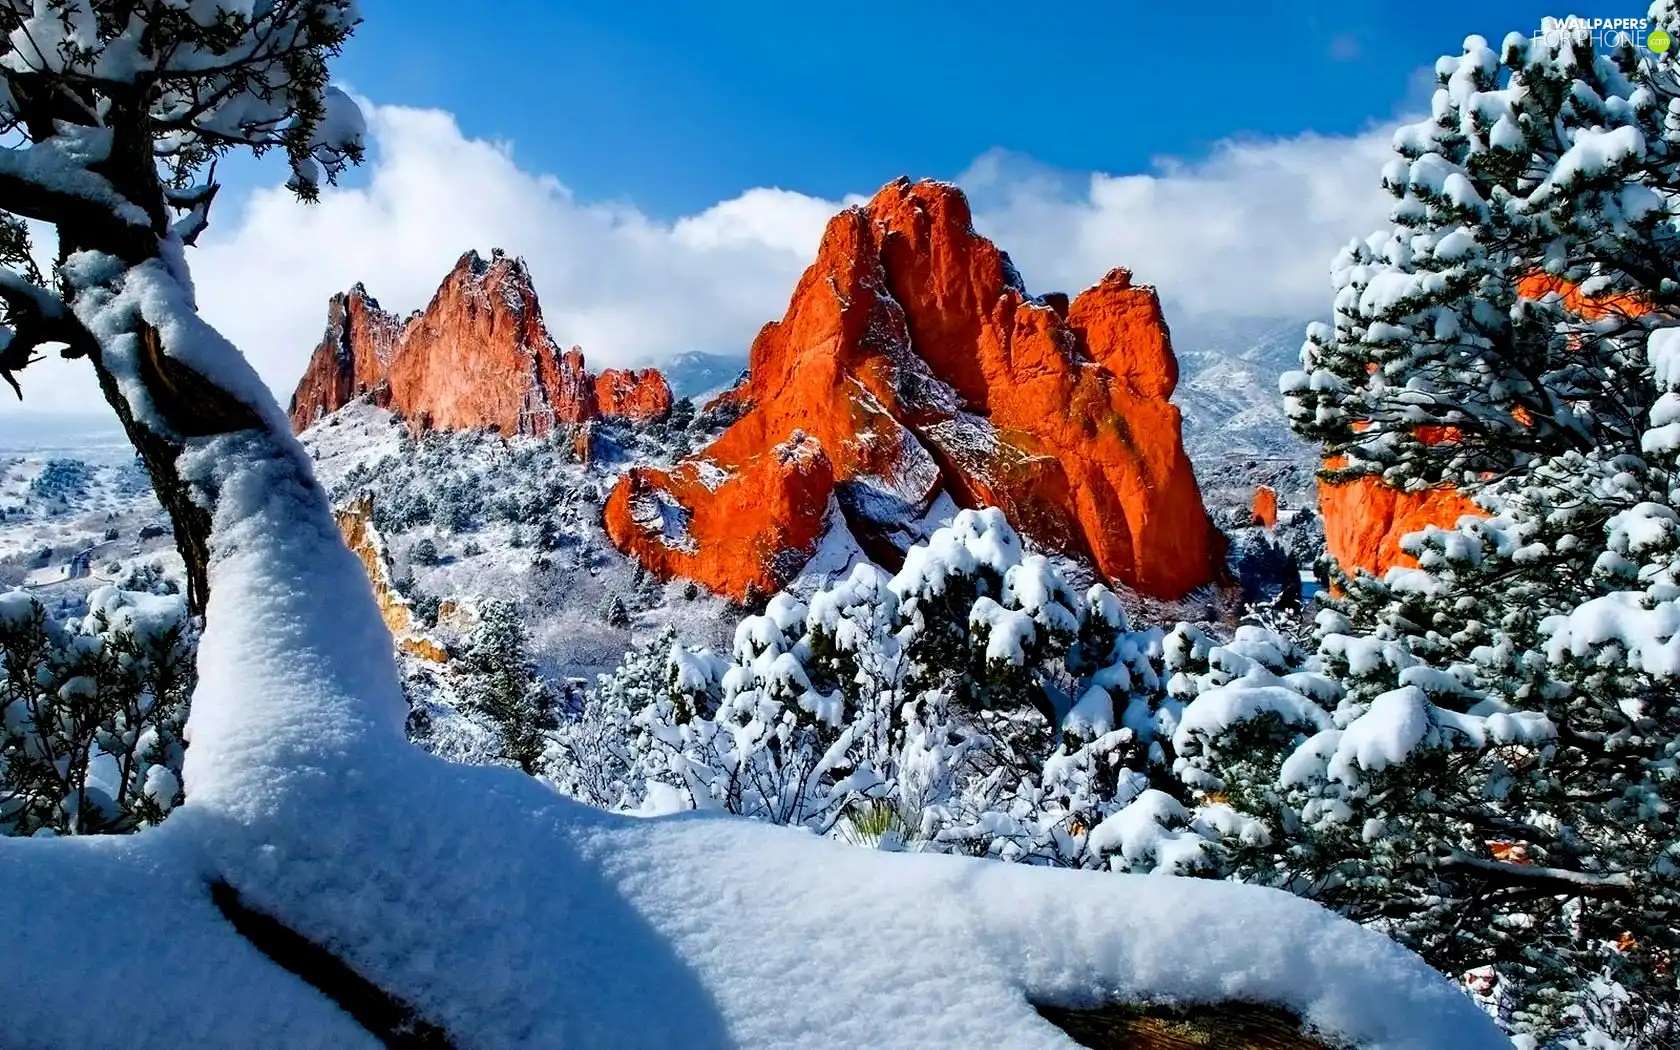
point(1604, 34)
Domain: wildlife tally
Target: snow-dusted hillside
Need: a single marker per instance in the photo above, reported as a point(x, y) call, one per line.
point(1228, 386)
point(1236, 434)
point(468, 514)
point(77, 511)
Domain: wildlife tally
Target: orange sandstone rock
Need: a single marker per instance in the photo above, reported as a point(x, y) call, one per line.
point(1592, 308)
point(478, 356)
point(355, 522)
point(1265, 506)
point(913, 355)
point(753, 527)
point(1365, 520)
point(633, 394)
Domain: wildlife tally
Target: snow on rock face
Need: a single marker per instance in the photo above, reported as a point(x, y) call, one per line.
point(478, 356)
point(754, 525)
point(912, 353)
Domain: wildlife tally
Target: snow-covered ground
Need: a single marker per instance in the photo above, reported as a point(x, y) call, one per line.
point(518, 520)
point(76, 509)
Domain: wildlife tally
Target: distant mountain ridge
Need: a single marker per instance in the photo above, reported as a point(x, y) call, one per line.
point(1228, 390)
point(702, 375)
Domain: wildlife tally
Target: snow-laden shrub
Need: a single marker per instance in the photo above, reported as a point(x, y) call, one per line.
point(61, 479)
point(147, 577)
point(971, 702)
point(91, 712)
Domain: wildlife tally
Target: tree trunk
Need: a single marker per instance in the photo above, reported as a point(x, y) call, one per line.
point(186, 402)
point(192, 407)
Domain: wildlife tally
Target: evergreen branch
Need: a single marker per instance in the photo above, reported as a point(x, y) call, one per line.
point(1561, 881)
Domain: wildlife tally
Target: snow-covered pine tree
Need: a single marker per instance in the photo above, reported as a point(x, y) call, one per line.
point(1490, 774)
point(91, 713)
point(1498, 321)
point(499, 681)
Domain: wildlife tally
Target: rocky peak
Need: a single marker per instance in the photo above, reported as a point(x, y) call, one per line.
point(633, 393)
point(478, 356)
point(913, 357)
point(351, 360)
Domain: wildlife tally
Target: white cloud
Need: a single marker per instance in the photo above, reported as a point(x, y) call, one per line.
point(1248, 231)
point(626, 287)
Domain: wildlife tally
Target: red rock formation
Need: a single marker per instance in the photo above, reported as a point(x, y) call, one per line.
point(351, 360)
point(1265, 507)
point(574, 390)
point(913, 356)
point(750, 530)
point(1365, 520)
point(478, 356)
point(634, 394)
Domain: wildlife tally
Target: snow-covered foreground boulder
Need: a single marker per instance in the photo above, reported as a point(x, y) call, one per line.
point(510, 916)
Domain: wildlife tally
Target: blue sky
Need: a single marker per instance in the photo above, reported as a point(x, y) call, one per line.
point(676, 105)
point(667, 169)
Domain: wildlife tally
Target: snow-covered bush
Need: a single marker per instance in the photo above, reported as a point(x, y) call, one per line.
point(61, 479)
point(148, 577)
point(91, 712)
point(971, 703)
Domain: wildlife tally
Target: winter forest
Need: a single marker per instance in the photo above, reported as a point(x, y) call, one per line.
point(962, 666)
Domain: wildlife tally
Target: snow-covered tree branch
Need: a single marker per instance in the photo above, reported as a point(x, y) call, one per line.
point(116, 111)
